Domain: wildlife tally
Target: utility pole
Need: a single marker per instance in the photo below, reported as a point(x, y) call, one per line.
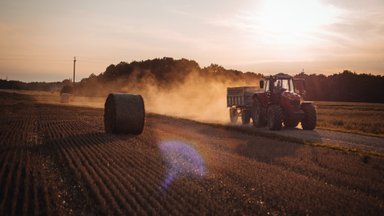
point(74, 70)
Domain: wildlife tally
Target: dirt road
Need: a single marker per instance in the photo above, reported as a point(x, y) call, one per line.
point(332, 139)
point(342, 139)
point(58, 160)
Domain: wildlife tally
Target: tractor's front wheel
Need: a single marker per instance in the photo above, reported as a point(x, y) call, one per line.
point(275, 117)
point(310, 117)
point(233, 115)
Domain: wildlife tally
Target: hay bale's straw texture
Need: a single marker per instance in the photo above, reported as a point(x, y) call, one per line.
point(124, 113)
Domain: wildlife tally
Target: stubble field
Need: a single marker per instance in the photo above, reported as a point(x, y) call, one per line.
point(57, 160)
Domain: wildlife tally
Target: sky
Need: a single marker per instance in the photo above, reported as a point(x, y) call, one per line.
point(39, 38)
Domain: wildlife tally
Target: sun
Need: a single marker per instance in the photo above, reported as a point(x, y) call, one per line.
point(294, 19)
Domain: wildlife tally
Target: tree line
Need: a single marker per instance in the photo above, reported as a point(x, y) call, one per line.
point(163, 73)
point(36, 86)
point(345, 86)
point(166, 73)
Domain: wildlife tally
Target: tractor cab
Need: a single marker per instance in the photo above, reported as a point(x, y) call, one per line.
point(283, 83)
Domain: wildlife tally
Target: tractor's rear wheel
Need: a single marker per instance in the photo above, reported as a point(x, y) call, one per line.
point(245, 116)
point(310, 117)
point(256, 114)
point(233, 115)
point(275, 117)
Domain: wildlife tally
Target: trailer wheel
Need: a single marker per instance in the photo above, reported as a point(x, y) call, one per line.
point(310, 117)
point(275, 115)
point(245, 117)
point(233, 115)
point(256, 114)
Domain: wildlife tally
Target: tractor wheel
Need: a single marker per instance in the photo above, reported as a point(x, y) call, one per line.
point(275, 116)
point(256, 114)
point(289, 123)
point(233, 115)
point(310, 117)
point(245, 117)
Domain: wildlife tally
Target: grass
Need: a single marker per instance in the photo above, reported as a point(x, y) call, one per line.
point(362, 118)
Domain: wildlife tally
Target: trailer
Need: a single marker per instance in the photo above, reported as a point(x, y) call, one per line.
point(239, 102)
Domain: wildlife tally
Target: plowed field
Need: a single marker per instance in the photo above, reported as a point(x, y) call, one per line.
point(57, 160)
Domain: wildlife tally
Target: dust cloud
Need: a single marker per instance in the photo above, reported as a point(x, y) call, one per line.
point(95, 102)
point(196, 98)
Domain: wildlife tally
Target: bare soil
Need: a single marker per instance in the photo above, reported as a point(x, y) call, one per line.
point(57, 160)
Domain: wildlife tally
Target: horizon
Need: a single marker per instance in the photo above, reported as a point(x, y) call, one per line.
point(292, 74)
point(40, 38)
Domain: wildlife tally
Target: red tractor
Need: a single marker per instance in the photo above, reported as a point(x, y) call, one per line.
point(277, 102)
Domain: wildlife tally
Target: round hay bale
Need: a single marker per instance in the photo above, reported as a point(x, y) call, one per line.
point(124, 114)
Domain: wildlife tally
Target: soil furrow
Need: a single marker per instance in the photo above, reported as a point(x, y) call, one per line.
point(116, 174)
point(25, 203)
point(146, 162)
point(91, 172)
point(6, 188)
point(18, 185)
point(104, 175)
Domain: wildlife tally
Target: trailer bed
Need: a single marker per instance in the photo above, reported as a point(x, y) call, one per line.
point(241, 96)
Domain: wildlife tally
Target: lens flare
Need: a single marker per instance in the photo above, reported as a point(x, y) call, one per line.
point(181, 160)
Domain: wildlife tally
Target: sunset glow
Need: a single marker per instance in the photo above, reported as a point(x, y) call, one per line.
point(294, 23)
point(294, 19)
